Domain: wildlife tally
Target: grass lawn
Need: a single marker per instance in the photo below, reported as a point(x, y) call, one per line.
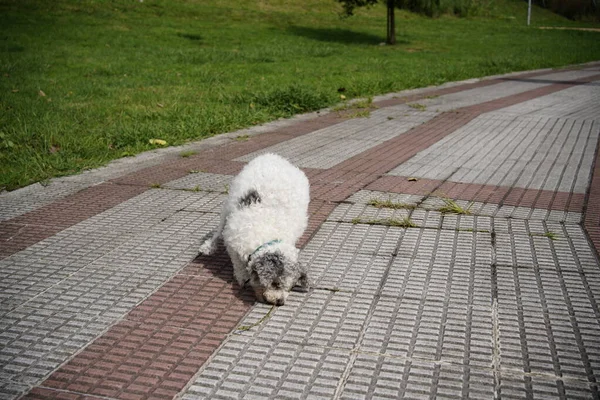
point(87, 81)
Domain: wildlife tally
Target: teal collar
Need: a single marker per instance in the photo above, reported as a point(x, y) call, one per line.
point(262, 246)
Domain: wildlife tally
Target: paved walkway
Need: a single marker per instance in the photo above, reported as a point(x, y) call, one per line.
point(102, 296)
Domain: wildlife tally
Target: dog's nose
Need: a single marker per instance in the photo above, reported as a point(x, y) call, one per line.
point(279, 302)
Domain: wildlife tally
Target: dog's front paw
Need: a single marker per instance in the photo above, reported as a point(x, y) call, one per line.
point(207, 248)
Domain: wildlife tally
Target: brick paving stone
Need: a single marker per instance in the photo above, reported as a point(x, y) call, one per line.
point(421, 306)
point(18, 202)
point(202, 181)
point(329, 146)
point(76, 301)
point(177, 329)
point(555, 152)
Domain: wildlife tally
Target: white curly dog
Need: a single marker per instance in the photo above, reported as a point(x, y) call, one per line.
point(264, 215)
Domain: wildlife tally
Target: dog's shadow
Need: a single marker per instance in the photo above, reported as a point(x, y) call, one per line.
point(219, 266)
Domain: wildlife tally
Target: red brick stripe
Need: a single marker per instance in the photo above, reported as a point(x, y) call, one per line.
point(501, 195)
point(25, 230)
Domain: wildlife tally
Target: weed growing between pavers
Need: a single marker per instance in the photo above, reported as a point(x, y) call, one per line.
point(194, 189)
point(417, 106)
point(403, 223)
point(260, 321)
point(357, 109)
point(451, 207)
point(186, 154)
point(390, 204)
point(549, 235)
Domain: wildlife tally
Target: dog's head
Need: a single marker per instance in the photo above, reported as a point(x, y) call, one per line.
point(274, 272)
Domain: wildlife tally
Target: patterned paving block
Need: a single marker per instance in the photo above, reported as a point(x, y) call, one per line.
point(144, 211)
point(548, 306)
point(533, 153)
point(365, 196)
point(330, 146)
point(335, 238)
point(320, 317)
point(117, 272)
point(394, 378)
point(202, 181)
point(514, 386)
point(208, 202)
point(446, 246)
point(94, 295)
point(484, 128)
point(351, 272)
point(578, 102)
point(20, 280)
point(37, 341)
point(29, 198)
point(430, 329)
point(11, 390)
point(257, 368)
point(458, 283)
point(365, 214)
point(474, 96)
point(476, 209)
point(161, 344)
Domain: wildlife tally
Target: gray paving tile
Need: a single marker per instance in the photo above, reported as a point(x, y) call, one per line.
point(334, 238)
point(328, 147)
point(65, 291)
point(366, 214)
point(394, 378)
point(36, 341)
point(12, 390)
point(544, 387)
point(15, 203)
point(527, 152)
point(580, 102)
point(319, 318)
point(365, 196)
point(247, 367)
point(202, 181)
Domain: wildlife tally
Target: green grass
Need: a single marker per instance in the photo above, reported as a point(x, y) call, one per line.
point(390, 204)
point(451, 207)
point(83, 82)
point(417, 106)
point(356, 109)
point(401, 223)
point(550, 235)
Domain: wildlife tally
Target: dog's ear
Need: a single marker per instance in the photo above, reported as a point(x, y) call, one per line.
point(304, 280)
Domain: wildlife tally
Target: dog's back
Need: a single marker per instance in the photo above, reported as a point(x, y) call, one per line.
point(268, 199)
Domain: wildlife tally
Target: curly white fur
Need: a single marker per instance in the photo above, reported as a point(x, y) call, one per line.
point(264, 215)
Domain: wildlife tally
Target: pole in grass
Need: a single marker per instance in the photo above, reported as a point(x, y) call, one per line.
point(529, 13)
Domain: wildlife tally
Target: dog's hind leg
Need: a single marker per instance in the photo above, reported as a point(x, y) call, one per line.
point(209, 246)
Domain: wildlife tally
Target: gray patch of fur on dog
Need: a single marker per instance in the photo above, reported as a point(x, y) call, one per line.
point(273, 268)
point(252, 197)
point(270, 266)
